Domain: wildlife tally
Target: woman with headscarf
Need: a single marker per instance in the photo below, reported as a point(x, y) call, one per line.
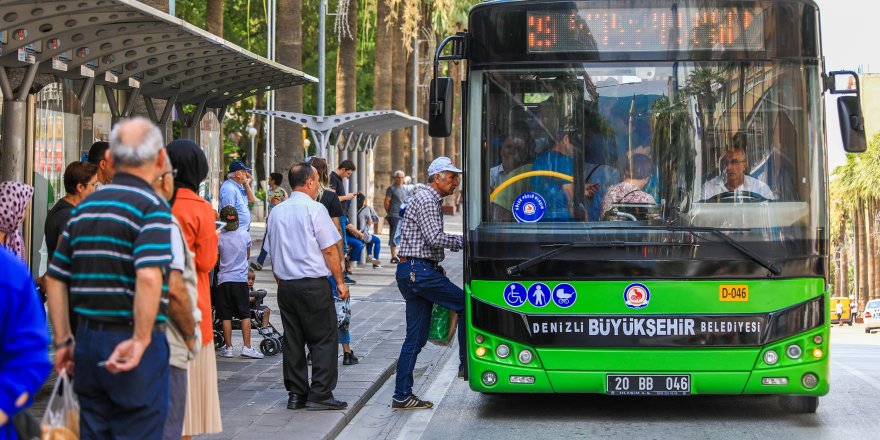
point(196, 217)
point(14, 199)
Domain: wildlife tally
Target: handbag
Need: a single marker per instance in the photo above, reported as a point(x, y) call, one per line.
point(61, 420)
point(343, 313)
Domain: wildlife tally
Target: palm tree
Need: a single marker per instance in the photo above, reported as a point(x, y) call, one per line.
point(288, 37)
point(382, 101)
point(346, 59)
point(214, 17)
point(161, 5)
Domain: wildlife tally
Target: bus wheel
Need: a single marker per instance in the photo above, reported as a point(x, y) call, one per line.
point(799, 404)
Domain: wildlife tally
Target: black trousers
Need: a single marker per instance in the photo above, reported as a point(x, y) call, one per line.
point(309, 317)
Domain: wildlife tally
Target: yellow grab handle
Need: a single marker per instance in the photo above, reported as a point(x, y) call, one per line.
point(522, 176)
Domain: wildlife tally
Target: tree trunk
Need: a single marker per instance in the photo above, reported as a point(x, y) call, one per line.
point(453, 145)
point(161, 5)
point(874, 283)
point(346, 65)
point(398, 96)
point(410, 85)
point(863, 251)
point(288, 136)
point(214, 17)
point(382, 101)
point(842, 263)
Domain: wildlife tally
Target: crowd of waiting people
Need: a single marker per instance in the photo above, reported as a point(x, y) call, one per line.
point(134, 252)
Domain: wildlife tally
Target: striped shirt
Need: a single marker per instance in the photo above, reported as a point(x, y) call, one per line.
point(122, 227)
point(422, 233)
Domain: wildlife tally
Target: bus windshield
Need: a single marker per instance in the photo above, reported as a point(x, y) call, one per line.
point(651, 153)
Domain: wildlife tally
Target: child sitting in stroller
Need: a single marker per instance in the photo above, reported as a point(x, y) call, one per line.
point(259, 311)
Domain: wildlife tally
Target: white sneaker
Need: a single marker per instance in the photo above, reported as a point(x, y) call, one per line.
point(226, 352)
point(250, 352)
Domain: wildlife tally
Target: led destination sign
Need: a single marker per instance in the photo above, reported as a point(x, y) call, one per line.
point(646, 30)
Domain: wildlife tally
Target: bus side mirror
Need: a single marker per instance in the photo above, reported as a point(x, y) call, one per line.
point(440, 118)
point(849, 109)
point(852, 124)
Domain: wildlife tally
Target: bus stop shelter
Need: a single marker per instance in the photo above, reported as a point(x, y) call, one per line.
point(70, 69)
point(143, 58)
point(348, 136)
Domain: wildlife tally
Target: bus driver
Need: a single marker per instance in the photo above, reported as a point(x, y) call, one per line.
point(733, 176)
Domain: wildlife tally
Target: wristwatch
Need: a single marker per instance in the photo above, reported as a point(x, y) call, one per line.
point(65, 343)
point(191, 337)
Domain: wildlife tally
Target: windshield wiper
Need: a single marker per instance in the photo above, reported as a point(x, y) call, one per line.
point(769, 265)
point(563, 247)
point(720, 233)
point(560, 248)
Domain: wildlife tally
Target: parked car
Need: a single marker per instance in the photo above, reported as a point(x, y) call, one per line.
point(872, 315)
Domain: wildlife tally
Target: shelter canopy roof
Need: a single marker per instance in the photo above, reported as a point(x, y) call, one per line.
point(125, 44)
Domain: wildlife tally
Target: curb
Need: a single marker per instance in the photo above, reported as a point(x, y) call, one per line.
point(359, 404)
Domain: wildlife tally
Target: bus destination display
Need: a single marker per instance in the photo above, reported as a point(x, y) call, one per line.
point(646, 30)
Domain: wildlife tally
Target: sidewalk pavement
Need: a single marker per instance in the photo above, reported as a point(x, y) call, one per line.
point(253, 401)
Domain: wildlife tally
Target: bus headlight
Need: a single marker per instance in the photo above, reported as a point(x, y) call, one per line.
point(489, 378)
point(502, 351)
point(818, 339)
point(817, 353)
point(794, 351)
point(771, 357)
point(810, 380)
point(525, 356)
point(481, 351)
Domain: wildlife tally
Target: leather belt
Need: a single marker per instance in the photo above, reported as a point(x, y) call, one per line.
point(423, 260)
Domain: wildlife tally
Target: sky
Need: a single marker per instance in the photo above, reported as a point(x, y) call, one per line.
point(848, 43)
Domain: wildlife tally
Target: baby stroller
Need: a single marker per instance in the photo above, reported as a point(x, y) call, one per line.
point(272, 338)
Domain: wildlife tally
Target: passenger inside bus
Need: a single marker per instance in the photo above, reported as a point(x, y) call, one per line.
point(733, 178)
point(637, 172)
point(557, 193)
point(515, 160)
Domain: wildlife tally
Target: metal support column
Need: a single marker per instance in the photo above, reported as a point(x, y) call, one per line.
point(15, 111)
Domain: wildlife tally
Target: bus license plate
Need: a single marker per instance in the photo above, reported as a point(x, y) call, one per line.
point(649, 384)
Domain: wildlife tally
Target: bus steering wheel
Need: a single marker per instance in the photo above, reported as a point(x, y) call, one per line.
point(736, 197)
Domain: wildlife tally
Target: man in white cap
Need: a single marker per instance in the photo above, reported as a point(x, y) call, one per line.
point(421, 279)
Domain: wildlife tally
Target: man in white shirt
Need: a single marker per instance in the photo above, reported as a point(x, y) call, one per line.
point(734, 179)
point(302, 241)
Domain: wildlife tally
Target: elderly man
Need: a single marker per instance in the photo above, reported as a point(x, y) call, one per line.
point(302, 241)
point(396, 193)
point(421, 279)
point(236, 191)
point(733, 176)
point(110, 263)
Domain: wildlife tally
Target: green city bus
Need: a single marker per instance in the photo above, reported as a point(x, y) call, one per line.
point(646, 196)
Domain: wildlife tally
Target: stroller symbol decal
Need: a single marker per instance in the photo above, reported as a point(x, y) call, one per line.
point(538, 294)
point(564, 295)
point(515, 294)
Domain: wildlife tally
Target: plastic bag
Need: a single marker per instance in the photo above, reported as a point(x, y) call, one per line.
point(61, 420)
point(343, 313)
point(443, 324)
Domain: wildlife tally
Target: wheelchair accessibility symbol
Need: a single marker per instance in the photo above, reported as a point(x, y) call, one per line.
point(515, 294)
point(564, 295)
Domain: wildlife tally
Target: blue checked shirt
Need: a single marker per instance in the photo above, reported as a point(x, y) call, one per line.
point(422, 235)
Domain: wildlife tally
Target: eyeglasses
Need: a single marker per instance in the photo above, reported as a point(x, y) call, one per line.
point(173, 173)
